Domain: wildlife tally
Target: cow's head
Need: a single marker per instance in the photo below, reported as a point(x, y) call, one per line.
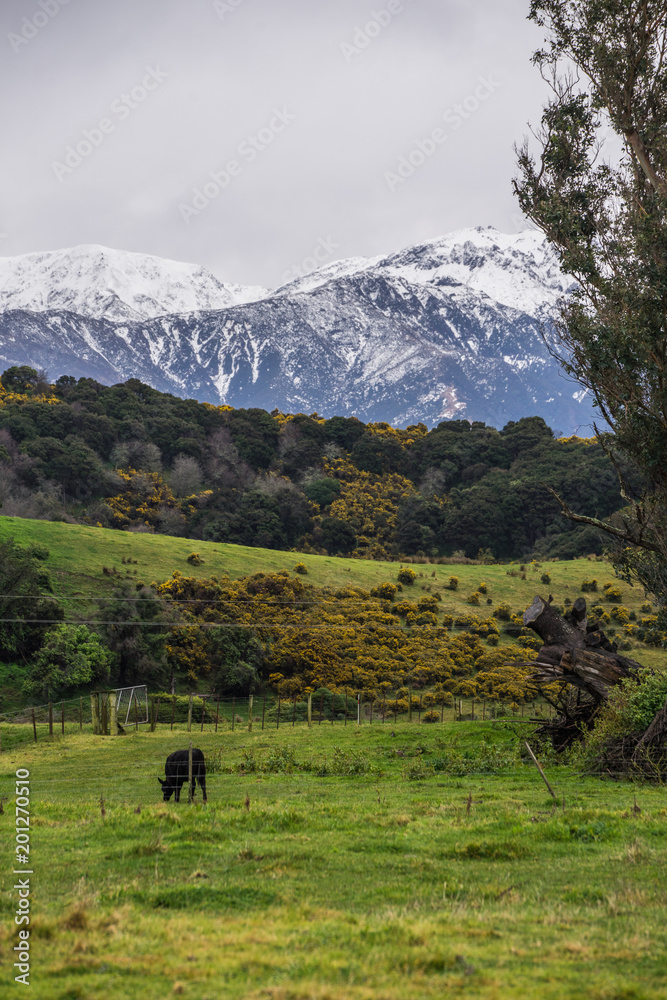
point(167, 789)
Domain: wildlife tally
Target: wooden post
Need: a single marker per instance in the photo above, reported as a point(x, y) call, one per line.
point(333, 707)
point(190, 774)
point(157, 713)
point(136, 713)
point(537, 765)
point(203, 712)
point(310, 709)
point(113, 711)
point(190, 714)
point(233, 713)
point(319, 722)
point(345, 706)
point(173, 709)
point(151, 716)
point(395, 709)
point(34, 725)
point(409, 704)
point(104, 716)
point(250, 714)
point(263, 710)
point(473, 710)
point(294, 711)
point(80, 715)
point(359, 703)
point(278, 717)
point(95, 712)
point(484, 710)
point(419, 710)
point(384, 697)
point(217, 713)
point(50, 720)
point(62, 717)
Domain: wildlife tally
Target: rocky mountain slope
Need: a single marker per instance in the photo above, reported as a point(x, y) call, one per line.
point(447, 329)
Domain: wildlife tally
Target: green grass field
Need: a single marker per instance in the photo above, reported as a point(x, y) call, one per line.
point(78, 555)
point(400, 875)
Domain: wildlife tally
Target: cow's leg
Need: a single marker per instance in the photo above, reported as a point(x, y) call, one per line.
point(177, 793)
point(202, 782)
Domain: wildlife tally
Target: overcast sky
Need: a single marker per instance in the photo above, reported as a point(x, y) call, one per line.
point(116, 113)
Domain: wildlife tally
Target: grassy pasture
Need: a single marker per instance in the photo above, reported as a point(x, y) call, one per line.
point(78, 554)
point(394, 878)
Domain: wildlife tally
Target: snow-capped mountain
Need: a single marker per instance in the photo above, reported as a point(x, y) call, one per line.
point(450, 328)
point(101, 283)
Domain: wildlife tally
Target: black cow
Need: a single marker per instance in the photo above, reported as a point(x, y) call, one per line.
point(176, 773)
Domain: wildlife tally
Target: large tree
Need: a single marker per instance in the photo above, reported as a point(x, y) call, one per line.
point(597, 187)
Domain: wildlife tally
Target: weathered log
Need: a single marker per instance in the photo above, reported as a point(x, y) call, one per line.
point(552, 629)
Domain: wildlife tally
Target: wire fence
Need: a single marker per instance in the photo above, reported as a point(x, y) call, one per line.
point(213, 714)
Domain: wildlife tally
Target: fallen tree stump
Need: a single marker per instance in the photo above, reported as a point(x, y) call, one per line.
point(580, 658)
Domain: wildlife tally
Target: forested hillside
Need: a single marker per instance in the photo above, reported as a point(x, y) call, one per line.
point(133, 458)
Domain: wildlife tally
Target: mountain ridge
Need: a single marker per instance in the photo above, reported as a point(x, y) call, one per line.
point(449, 328)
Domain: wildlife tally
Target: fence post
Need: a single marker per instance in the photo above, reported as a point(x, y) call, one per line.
point(345, 706)
point(105, 716)
point(384, 696)
point(217, 713)
point(80, 715)
point(310, 710)
point(156, 715)
point(278, 718)
point(113, 712)
point(359, 709)
point(190, 715)
point(483, 710)
point(263, 710)
point(50, 720)
point(233, 713)
point(472, 711)
point(95, 712)
point(62, 717)
point(250, 714)
point(333, 707)
point(203, 710)
point(370, 710)
point(319, 721)
point(190, 774)
point(409, 704)
point(173, 709)
point(34, 725)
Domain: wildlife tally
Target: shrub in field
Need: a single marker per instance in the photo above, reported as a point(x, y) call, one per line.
point(483, 588)
point(453, 583)
point(406, 575)
point(613, 594)
point(428, 604)
point(589, 586)
point(194, 559)
point(385, 591)
point(431, 716)
point(503, 612)
point(301, 568)
point(620, 614)
point(473, 598)
point(545, 578)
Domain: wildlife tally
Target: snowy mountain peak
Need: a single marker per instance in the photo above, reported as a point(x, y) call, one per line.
point(102, 283)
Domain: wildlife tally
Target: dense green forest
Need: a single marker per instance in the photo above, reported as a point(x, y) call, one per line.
point(133, 458)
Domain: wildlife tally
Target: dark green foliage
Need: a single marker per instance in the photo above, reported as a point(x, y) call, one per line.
point(322, 491)
point(26, 610)
point(598, 190)
point(262, 480)
point(337, 535)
